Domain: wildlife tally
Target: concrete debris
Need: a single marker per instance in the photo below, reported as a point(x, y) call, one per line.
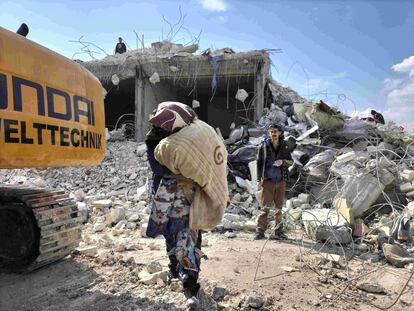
point(79, 195)
point(373, 288)
point(101, 204)
point(174, 68)
point(154, 267)
point(88, 251)
point(176, 285)
point(337, 259)
point(230, 235)
point(334, 234)
point(370, 257)
point(83, 211)
point(255, 302)
point(38, 182)
point(407, 187)
point(219, 293)
point(362, 191)
point(141, 150)
point(397, 255)
point(115, 215)
point(144, 227)
point(152, 279)
point(289, 269)
point(133, 217)
point(407, 175)
point(326, 225)
point(117, 134)
point(99, 227)
point(120, 225)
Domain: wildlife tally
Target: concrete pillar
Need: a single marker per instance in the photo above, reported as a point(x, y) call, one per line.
point(139, 105)
point(259, 87)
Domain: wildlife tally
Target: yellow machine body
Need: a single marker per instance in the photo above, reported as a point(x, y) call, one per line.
point(51, 108)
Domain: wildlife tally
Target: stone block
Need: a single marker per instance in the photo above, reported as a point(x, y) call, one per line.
point(101, 204)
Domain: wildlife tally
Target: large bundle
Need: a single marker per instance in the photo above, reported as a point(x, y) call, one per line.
point(198, 153)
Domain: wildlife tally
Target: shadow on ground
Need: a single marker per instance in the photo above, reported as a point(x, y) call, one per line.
point(67, 286)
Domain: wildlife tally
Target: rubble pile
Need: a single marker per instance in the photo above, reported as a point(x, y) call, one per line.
point(124, 169)
point(351, 182)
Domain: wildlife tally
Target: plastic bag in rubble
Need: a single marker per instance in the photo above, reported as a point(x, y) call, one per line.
point(241, 95)
point(236, 135)
point(300, 157)
point(115, 79)
point(242, 183)
point(244, 154)
point(319, 164)
point(155, 78)
point(195, 103)
point(354, 127)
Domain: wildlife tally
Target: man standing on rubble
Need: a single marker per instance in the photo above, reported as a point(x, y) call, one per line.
point(120, 47)
point(272, 171)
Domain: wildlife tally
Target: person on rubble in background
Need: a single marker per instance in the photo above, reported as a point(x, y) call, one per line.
point(171, 206)
point(273, 161)
point(120, 47)
point(378, 117)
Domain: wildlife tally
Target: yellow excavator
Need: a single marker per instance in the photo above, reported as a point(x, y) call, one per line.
point(51, 115)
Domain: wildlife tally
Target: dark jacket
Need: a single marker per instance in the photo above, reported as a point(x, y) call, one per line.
point(120, 48)
point(282, 152)
point(153, 137)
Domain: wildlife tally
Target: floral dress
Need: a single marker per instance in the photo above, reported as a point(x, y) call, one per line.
point(170, 217)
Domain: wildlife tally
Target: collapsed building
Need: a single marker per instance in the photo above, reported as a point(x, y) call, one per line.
point(350, 195)
point(221, 86)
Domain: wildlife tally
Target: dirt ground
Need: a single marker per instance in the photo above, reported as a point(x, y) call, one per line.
point(83, 283)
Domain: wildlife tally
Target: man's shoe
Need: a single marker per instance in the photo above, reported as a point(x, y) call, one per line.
point(259, 235)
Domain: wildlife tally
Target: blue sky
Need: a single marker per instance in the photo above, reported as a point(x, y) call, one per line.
point(356, 55)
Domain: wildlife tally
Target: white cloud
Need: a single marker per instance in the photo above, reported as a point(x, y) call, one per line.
point(400, 94)
point(407, 65)
point(214, 5)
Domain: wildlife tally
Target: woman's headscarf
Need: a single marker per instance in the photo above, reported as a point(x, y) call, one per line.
point(172, 115)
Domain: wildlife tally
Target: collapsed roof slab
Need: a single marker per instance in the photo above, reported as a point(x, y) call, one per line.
point(187, 70)
point(177, 67)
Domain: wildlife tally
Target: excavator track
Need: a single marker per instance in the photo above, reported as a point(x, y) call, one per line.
point(37, 226)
